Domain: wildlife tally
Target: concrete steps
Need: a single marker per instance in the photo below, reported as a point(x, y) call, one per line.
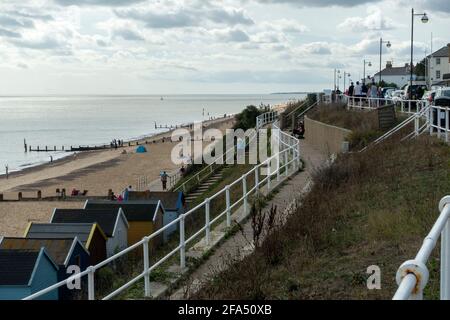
point(205, 186)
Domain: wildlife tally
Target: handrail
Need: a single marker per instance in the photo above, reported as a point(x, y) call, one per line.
point(412, 276)
point(308, 109)
point(288, 156)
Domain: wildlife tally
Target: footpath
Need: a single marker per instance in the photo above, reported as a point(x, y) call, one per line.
point(240, 244)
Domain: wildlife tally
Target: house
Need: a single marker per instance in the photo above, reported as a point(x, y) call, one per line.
point(90, 235)
point(144, 217)
point(25, 272)
point(173, 203)
point(398, 75)
point(64, 252)
point(440, 66)
point(112, 221)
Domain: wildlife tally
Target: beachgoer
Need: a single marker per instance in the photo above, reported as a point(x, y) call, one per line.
point(373, 90)
point(182, 170)
point(351, 89)
point(364, 90)
point(358, 90)
point(120, 198)
point(125, 193)
point(164, 180)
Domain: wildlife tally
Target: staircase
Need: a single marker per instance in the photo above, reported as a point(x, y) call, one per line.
point(205, 186)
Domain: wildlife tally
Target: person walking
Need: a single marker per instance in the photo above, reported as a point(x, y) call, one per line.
point(358, 90)
point(351, 90)
point(373, 90)
point(164, 176)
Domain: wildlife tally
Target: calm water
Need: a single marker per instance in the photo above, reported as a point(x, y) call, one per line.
point(91, 120)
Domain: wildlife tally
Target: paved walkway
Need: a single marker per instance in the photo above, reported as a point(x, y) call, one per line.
point(240, 244)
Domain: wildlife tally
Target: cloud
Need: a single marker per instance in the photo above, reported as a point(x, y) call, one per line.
point(232, 35)
point(166, 18)
point(12, 22)
point(376, 20)
point(9, 34)
point(320, 3)
point(319, 48)
point(127, 34)
point(109, 3)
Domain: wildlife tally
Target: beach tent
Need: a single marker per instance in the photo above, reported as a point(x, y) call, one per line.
point(141, 149)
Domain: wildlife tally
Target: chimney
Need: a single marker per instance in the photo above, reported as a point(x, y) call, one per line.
point(389, 65)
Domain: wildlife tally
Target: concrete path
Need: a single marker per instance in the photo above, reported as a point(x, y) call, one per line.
point(241, 244)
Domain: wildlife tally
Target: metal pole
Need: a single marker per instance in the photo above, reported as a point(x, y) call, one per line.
point(244, 193)
point(228, 202)
point(445, 263)
point(91, 284)
point(207, 221)
point(381, 53)
point(182, 243)
point(412, 50)
point(146, 268)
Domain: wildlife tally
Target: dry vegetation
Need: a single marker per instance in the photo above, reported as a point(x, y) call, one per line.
point(371, 208)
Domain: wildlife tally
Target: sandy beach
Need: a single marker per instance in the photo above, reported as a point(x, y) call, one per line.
point(96, 171)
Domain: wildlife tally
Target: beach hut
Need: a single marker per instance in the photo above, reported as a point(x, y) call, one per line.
point(141, 149)
point(112, 221)
point(173, 203)
point(144, 217)
point(25, 272)
point(64, 252)
point(90, 235)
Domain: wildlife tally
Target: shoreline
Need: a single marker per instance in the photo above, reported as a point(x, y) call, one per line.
point(82, 161)
point(76, 155)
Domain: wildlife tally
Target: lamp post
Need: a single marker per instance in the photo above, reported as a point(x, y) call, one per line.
point(338, 78)
point(369, 64)
point(388, 45)
point(424, 19)
point(345, 77)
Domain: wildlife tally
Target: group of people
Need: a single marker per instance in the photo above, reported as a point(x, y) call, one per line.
point(364, 91)
point(124, 196)
point(299, 130)
point(116, 143)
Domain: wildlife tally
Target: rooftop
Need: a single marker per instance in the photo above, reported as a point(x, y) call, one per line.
point(60, 230)
point(16, 266)
point(58, 249)
point(133, 210)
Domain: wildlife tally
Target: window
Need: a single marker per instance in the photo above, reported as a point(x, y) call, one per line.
point(438, 60)
point(438, 74)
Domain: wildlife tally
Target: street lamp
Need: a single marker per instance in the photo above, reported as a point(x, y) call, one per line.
point(345, 77)
point(424, 19)
point(369, 64)
point(388, 45)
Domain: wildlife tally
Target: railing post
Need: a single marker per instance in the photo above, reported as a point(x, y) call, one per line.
point(446, 123)
point(244, 193)
point(268, 175)
point(182, 243)
point(91, 283)
point(286, 160)
point(430, 119)
point(278, 167)
point(228, 203)
point(146, 267)
point(445, 263)
point(207, 221)
point(257, 179)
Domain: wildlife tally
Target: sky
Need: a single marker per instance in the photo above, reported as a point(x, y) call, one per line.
point(60, 47)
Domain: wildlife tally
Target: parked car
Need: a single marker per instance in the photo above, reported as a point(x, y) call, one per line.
point(385, 90)
point(442, 97)
point(397, 95)
point(388, 93)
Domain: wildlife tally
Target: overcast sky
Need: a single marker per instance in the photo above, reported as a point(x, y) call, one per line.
point(203, 46)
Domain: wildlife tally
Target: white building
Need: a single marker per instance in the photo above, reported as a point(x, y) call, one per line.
point(440, 65)
point(398, 75)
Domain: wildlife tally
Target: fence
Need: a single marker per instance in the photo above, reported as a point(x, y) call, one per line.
point(287, 161)
point(413, 275)
point(405, 106)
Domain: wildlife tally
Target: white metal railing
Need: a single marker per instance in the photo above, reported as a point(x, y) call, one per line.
point(287, 159)
point(413, 275)
point(439, 120)
point(405, 106)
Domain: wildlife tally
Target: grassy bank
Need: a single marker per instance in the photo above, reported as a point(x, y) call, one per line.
point(372, 208)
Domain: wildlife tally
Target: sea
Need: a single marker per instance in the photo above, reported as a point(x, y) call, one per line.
point(94, 120)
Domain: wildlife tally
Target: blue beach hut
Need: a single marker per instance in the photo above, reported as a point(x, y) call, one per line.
point(141, 149)
point(24, 272)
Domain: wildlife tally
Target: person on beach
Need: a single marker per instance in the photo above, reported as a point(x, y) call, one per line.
point(164, 176)
point(125, 193)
